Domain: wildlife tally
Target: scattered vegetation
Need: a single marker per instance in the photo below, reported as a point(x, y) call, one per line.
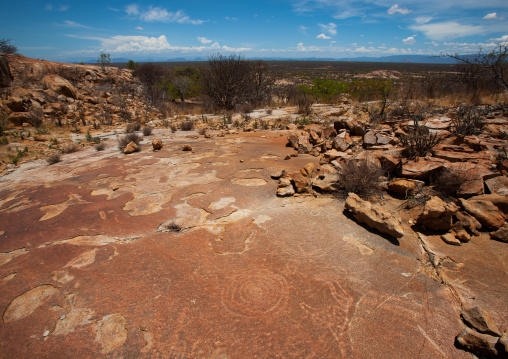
point(70, 148)
point(187, 125)
point(55, 158)
point(19, 154)
point(125, 140)
point(100, 146)
point(147, 131)
point(450, 180)
point(6, 47)
point(419, 140)
point(361, 177)
point(467, 122)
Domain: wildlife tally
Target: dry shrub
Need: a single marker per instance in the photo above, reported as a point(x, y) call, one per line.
point(202, 131)
point(451, 179)
point(100, 146)
point(304, 103)
point(187, 125)
point(53, 159)
point(361, 177)
point(147, 131)
point(132, 127)
point(468, 121)
point(419, 140)
point(125, 140)
point(70, 148)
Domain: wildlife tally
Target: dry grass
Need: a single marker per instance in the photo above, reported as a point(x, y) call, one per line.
point(147, 131)
point(125, 140)
point(70, 148)
point(132, 127)
point(360, 177)
point(53, 159)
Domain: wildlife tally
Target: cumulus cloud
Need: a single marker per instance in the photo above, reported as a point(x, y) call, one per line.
point(409, 40)
point(204, 40)
point(447, 30)
point(330, 28)
point(323, 37)
point(491, 16)
point(397, 9)
point(158, 14)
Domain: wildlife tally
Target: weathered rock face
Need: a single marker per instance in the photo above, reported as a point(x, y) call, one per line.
point(374, 216)
point(422, 169)
point(5, 72)
point(501, 234)
point(498, 185)
point(59, 85)
point(484, 211)
point(437, 214)
point(481, 320)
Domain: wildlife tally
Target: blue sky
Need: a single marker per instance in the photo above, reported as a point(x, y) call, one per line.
point(278, 28)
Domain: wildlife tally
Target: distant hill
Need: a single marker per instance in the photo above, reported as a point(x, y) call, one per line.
point(417, 59)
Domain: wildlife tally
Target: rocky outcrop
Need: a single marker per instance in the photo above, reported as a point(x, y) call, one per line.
point(484, 211)
point(5, 73)
point(59, 85)
point(374, 216)
point(437, 214)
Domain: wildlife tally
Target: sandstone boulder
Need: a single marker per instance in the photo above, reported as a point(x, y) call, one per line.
point(501, 234)
point(327, 179)
point(157, 144)
point(484, 211)
point(437, 214)
point(422, 169)
point(498, 185)
point(59, 85)
point(285, 187)
point(405, 187)
point(499, 201)
point(302, 183)
point(131, 148)
point(449, 238)
point(374, 216)
point(465, 221)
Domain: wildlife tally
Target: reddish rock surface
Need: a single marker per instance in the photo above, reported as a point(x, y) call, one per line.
point(174, 254)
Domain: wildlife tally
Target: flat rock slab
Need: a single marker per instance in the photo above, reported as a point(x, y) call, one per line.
point(174, 254)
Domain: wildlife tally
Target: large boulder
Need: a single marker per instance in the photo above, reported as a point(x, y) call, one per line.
point(59, 85)
point(499, 201)
point(437, 214)
point(484, 211)
point(374, 216)
point(157, 144)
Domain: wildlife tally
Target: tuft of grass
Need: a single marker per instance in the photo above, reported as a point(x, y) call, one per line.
point(147, 131)
point(100, 146)
point(468, 121)
point(53, 159)
point(202, 131)
point(450, 180)
point(187, 125)
point(419, 141)
point(70, 148)
point(173, 227)
point(133, 127)
point(173, 128)
point(360, 177)
point(125, 140)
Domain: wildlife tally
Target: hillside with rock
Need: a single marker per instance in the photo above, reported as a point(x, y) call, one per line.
point(128, 231)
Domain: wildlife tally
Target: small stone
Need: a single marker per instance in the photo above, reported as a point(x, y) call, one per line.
point(186, 148)
point(115, 188)
point(242, 161)
point(288, 157)
point(46, 333)
point(278, 174)
point(449, 238)
point(131, 148)
point(463, 236)
point(501, 234)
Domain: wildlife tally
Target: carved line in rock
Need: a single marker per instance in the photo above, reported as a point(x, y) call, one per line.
point(255, 293)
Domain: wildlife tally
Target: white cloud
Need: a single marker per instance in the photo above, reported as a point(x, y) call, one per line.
point(409, 40)
point(397, 9)
point(204, 40)
point(230, 18)
point(50, 7)
point(73, 24)
point(139, 28)
point(503, 40)
point(447, 30)
point(491, 16)
point(330, 28)
point(158, 14)
point(423, 19)
point(303, 29)
point(323, 37)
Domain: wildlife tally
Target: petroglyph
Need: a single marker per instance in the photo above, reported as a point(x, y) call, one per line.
point(222, 203)
point(9, 277)
point(111, 332)
point(24, 305)
point(9, 256)
point(249, 182)
point(67, 323)
point(83, 260)
point(57, 209)
point(255, 293)
point(97, 240)
point(363, 248)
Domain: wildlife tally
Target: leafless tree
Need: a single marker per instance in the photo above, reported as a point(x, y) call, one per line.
point(183, 84)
